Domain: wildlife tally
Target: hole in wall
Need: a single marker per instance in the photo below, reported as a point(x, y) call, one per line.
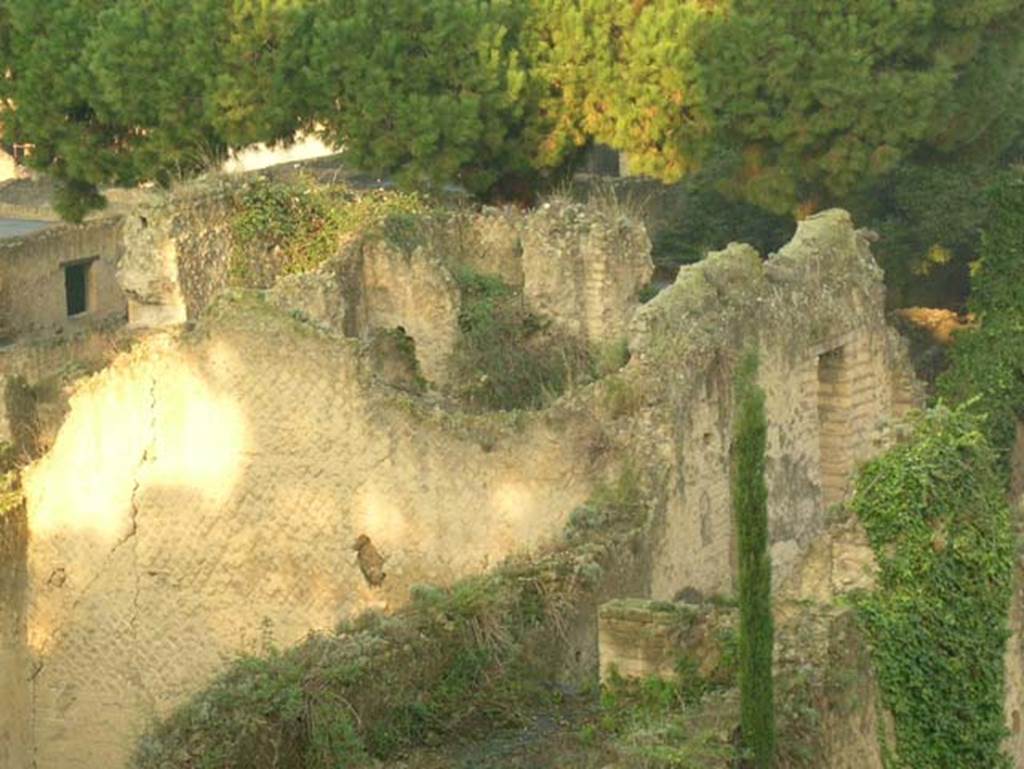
point(78, 287)
point(833, 425)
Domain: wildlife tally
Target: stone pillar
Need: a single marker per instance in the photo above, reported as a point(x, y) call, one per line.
point(584, 266)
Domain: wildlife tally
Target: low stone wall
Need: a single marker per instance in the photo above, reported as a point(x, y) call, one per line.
point(638, 638)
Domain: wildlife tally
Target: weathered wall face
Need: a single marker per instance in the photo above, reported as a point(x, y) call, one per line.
point(204, 494)
point(177, 255)
point(584, 268)
point(1013, 708)
point(44, 364)
point(218, 485)
point(833, 373)
point(408, 288)
point(32, 282)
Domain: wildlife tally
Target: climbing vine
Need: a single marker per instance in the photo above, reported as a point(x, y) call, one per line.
point(935, 512)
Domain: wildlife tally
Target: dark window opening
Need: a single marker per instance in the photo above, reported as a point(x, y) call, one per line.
point(833, 426)
point(76, 287)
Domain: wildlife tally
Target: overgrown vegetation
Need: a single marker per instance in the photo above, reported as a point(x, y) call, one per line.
point(614, 506)
point(749, 494)
point(507, 357)
point(935, 510)
point(457, 662)
point(285, 227)
point(11, 496)
point(937, 518)
point(685, 723)
point(987, 362)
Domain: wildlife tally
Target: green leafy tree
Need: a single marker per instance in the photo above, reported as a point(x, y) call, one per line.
point(987, 363)
point(750, 495)
point(429, 91)
point(624, 74)
point(49, 86)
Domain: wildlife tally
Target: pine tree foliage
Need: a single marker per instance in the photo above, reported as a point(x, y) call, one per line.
point(50, 84)
point(624, 74)
point(811, 98)
point(431, 91)
point(822, 96)
point(152, 65)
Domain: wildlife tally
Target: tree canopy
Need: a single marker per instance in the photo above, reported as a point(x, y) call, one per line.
point(811, 100)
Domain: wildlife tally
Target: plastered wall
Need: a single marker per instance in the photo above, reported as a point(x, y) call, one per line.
point(218, 485)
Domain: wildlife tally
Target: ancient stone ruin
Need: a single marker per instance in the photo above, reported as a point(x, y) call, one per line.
point(152, 548)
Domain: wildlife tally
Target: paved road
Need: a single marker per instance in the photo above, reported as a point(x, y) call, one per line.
point(12, 228)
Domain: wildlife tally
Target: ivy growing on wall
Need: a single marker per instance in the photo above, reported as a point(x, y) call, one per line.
point(936, 515)
point(935, 510)
point(757, 710)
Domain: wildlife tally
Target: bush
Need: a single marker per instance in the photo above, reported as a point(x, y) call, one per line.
point(459, 661)
point(507, 357)
point(281, 228)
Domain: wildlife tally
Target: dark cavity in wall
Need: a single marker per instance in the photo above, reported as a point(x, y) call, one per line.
point(76, 287)
point(833, 425)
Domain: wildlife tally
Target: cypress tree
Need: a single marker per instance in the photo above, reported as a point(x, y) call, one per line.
point(757, 711)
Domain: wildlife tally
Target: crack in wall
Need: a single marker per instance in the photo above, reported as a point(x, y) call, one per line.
point(148, 456)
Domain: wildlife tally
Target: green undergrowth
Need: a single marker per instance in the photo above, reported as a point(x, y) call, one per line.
point(653, 723)
point(618, 505)
point(507, 357)
point(935, 512)
point(285, 227)
point(456, 663)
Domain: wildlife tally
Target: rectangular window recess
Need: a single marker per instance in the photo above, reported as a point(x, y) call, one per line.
point(77, 287)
